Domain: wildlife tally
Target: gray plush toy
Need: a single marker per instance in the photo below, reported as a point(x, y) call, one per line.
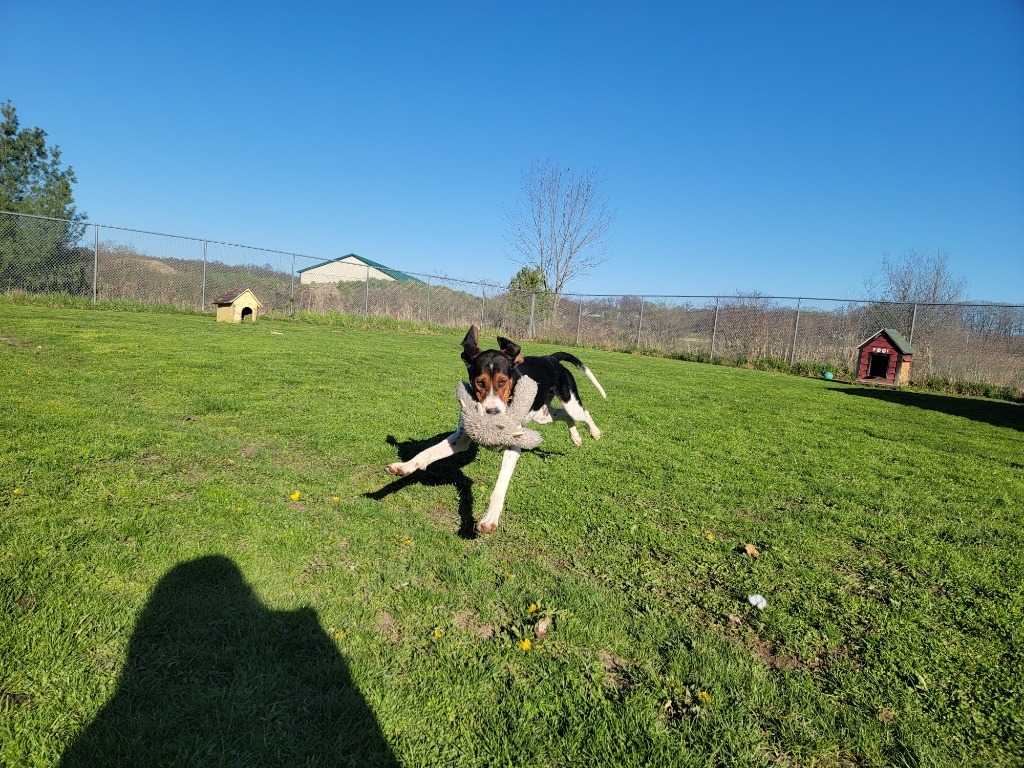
point(503, 430)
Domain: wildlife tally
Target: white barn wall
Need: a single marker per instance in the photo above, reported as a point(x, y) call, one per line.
point(345, 270)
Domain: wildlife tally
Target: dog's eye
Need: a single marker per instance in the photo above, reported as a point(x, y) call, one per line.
point(480, 383)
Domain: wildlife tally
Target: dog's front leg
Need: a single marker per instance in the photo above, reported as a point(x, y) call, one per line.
point(457, 442)
point(489, 522)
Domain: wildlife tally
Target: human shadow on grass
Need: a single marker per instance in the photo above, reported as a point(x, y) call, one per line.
point(996, 412)
point(214, 677)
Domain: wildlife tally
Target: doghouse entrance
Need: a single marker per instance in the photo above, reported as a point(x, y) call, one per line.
point(878, 366)
point(246, 314)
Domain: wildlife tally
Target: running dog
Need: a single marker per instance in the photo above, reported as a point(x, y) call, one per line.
point(493, 375)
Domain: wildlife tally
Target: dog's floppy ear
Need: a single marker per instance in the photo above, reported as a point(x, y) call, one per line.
point(471, 344)
point(510, 350)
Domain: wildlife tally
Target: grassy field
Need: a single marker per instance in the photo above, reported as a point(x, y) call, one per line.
point(202, 561)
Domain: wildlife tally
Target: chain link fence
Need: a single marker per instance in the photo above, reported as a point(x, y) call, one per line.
point(980, 343)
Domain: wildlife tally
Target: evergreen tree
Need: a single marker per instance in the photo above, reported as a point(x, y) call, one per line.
point(37, 255)
point(529, 293)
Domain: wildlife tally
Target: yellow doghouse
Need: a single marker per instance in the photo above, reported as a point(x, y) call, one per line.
point(237, 306)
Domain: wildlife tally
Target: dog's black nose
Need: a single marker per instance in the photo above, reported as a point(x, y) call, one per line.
point(493, 411)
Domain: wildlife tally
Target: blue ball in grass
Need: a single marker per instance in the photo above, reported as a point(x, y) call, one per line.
point(828, 375)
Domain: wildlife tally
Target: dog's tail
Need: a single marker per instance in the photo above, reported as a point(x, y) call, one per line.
point(573, 360)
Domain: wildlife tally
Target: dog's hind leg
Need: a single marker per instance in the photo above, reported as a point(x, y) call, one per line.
point(562, 415)
point(489, 522)
point(572, 407)
point(541, 416)
point(456, 442)
point(575, 410)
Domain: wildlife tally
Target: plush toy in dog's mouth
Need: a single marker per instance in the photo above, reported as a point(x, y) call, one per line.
point(502, 430)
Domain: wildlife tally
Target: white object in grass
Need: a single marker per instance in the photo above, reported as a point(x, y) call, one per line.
point(757, 601)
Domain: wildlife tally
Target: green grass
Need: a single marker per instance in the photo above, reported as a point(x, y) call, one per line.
point(164, 600)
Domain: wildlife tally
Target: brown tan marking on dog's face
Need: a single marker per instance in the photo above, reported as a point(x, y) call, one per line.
point(491, 371)
point(489, 382)
point(491, 375)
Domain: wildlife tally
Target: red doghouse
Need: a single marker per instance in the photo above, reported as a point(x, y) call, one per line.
point(885, 358)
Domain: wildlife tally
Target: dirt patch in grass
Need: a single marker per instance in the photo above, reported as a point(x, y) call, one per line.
point(388, 626)
point(442, 515)
point(466, 620)
point(105, 660)
point(616, 671)
point(770, 656)
point(316, 566)
point(250, 450)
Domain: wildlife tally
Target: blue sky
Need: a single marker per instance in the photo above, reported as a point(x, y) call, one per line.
point(779, 147)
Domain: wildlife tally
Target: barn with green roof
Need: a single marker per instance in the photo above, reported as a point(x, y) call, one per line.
point(351, 268)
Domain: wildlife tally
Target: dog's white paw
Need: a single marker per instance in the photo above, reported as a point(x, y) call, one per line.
point(401, 469)
point(574, 434)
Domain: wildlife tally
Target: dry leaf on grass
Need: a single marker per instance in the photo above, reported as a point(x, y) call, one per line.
point(751, 550)
point(542, 627)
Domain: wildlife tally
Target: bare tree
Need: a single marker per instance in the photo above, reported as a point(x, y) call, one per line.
point(915, 277)
point(561, 224)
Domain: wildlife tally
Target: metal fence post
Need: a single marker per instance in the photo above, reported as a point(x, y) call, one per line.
point(366, 297)
point(483, 305)
point(714, 329)
point(579, 322)
point(913, 322)
point(95, 260)
point(533, 307)
point(202, 304)
point(428, 299)
point(796, 328)
point(291, 297)
point(640, 327)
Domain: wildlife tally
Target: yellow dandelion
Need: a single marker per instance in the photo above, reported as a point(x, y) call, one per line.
point(711, 537)
point(335, 498)
point(525, 644)
point(705, 697)
point(533, 607)
point(437, 634)
point(296, 496)
point(338, 634)
point(18, 491)
point(407, 543)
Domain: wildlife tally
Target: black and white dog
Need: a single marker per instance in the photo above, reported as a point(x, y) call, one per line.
point(493, 375)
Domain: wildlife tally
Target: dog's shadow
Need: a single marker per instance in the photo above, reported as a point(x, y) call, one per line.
point(447, 471)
